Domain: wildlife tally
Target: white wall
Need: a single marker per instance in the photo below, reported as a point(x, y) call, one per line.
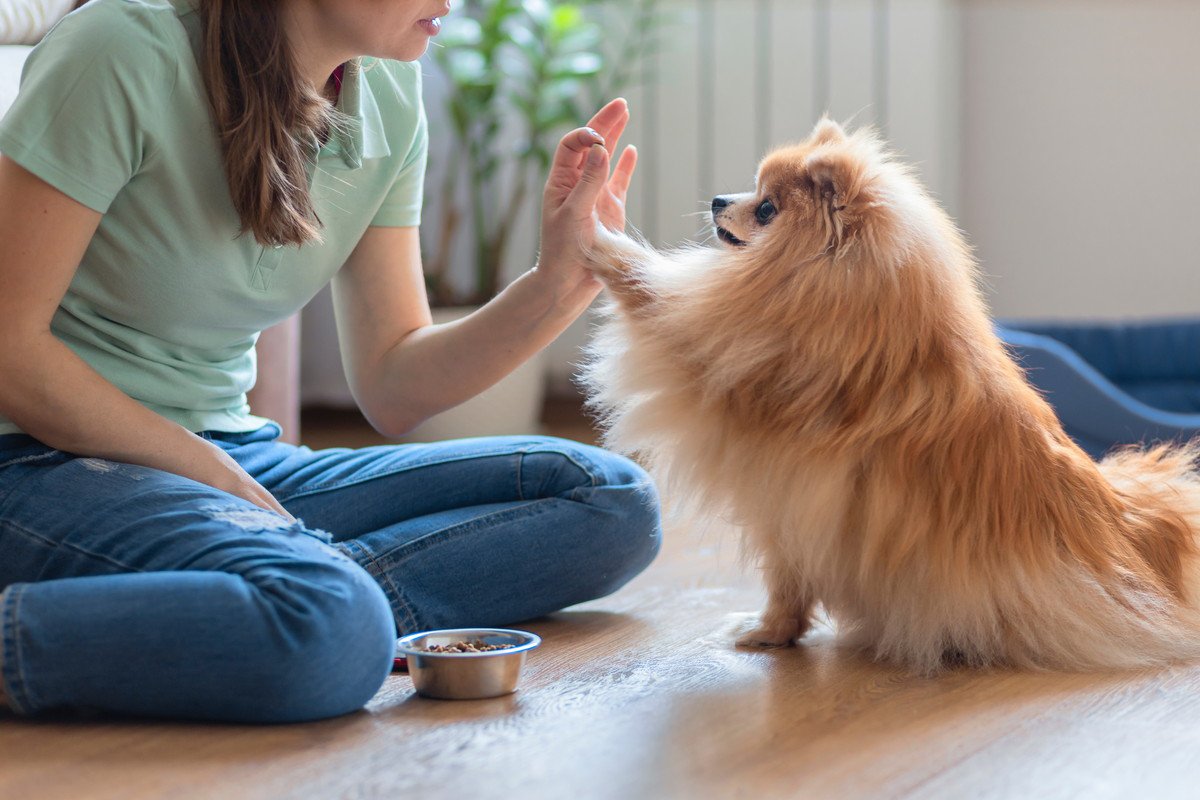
point(1081, 155)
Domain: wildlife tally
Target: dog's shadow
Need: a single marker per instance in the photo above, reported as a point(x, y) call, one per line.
point(825, 706)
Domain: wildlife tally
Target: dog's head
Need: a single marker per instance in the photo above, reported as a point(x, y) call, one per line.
point(820, 193)
point(841, 199)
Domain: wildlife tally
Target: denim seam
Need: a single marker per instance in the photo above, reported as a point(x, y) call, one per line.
point(72, 547)
point(17, 690)
point(585, 468)
point(330, 485)
point(586, 471)
point(399, 599)
point(428, 540)
point(520, 463)
point(26, 459)
point(381, 473)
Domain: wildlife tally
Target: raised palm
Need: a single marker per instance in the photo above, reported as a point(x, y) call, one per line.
point(609, 122)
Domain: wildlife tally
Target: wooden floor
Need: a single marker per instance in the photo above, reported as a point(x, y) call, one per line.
point(642, 695)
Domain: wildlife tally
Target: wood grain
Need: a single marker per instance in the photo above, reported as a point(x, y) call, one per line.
point(643, 695)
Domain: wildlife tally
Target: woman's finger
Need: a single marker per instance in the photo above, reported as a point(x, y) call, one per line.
point(623, 174)
point(270, 502)
point(583, 197)
point(612, 133)
point(605, 121)
point(605, 127)
point(608, 124)
point(568, 161)
point(573, 148)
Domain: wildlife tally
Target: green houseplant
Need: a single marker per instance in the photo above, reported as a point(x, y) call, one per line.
point(519, 73)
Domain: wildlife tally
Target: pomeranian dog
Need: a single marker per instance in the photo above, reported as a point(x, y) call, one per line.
point(828, 379)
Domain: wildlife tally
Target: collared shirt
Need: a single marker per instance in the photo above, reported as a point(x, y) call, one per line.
point(168, 299)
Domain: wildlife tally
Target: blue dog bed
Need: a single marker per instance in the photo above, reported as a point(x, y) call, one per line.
point(1114, 384)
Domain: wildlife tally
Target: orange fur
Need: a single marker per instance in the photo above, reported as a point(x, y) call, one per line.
point(834, 388)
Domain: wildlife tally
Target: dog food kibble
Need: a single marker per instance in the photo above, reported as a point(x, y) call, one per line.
point(477, 646)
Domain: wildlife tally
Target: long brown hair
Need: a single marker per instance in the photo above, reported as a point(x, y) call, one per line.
point(268, 118)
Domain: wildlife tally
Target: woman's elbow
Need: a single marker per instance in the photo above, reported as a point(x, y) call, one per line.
point(394, 423)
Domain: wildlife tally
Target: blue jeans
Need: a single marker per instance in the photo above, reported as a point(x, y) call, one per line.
point(138, 591)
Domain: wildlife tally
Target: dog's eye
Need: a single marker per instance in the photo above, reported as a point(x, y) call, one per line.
point(764, 212)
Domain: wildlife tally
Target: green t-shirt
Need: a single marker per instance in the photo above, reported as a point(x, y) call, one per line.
point(168, 300)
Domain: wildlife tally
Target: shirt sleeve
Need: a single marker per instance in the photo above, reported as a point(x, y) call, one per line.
point(401, 207)
point(91, 93)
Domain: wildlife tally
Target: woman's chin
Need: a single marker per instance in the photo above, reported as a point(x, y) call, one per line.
point(410, 48)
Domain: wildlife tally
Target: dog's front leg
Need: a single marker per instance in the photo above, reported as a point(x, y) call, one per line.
point(623, 264)
point(790, 602)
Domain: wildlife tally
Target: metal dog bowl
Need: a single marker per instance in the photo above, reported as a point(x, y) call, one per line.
point(466, 676)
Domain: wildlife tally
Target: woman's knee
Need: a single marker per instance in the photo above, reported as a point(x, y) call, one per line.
point(610, 529)
point(634, 535)
point(624, 485)
point(625, 507)
point(551, 466)
point(332, 638)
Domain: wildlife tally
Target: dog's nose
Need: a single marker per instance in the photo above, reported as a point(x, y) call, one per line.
point(719, 203)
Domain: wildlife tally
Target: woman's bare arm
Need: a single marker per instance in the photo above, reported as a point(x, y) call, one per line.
point(401, 368)
point(45, 388)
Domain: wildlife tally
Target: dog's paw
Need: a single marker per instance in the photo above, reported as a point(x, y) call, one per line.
point(763, 639)
point(613, 253)
point(780, 634)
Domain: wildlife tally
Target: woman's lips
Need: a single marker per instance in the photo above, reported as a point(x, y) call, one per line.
point(431, 26)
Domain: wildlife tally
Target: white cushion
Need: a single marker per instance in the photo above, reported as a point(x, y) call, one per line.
point(12, 57)
point(26, 21)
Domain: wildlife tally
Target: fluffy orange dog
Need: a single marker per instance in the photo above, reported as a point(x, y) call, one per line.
point(830, 381)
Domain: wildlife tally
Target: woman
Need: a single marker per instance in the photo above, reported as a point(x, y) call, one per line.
point(161, 552)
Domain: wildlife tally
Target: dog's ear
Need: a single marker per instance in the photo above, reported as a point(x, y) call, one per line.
point(827, 131)
point(837, 181)
point(835, 177)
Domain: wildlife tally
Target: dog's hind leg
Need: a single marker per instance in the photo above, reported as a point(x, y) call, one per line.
point(788, 614)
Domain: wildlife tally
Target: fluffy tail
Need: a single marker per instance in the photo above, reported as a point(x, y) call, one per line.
point(1161, 490)
point(1149, 616)
point(1119, 589)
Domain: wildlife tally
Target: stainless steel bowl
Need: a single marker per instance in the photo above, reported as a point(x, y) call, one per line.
point(466, 676)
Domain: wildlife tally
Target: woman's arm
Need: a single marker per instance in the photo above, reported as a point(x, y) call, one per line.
point(401, 368)
point(47, 390)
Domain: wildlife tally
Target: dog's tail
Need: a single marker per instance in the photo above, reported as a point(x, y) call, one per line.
point(1160, 489)
point(1121, 587)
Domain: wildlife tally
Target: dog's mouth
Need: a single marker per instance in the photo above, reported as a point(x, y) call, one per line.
point(729, 238)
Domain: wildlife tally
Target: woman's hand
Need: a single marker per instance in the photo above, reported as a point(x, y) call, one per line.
point(218, 469)
point(579, 193)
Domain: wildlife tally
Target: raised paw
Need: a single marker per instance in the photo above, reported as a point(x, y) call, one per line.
point(613, 253)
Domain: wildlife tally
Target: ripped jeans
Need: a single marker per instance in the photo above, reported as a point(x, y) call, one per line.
point(134, 590)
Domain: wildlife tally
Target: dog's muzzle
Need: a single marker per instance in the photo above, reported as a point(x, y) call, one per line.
point(719, 204)
point(729, 238)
